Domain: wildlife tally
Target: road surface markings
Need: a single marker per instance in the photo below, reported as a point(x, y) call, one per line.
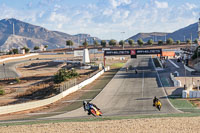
point(173, 63)
point(163, 88)
point(142, 84)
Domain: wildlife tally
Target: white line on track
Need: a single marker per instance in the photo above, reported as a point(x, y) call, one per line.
point(143, 84)
point(163, 88)
point(173, 63)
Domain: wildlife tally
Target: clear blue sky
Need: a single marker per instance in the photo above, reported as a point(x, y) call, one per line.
point(106, 19)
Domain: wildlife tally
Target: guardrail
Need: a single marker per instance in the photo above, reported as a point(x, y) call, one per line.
point(31, 105)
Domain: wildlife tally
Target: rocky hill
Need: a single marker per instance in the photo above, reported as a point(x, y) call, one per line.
point(182, 34)
point(147, 36)
point(28, 35)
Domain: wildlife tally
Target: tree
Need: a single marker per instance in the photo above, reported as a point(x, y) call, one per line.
point(160, 42)
point(170, 41)
point(46, 46)
point(196, 41)
point(15, 51)
point(36, 48)
point(103, 43)
point(196, 53)
point(150, 42)
point(112, 42)
point(131, 42)
point(69, 43)
point(189, 41)
point(85, 44)
point(95, 43)
point(122, 43)
point(26, 49)
point(178, 42)
point(140, 42)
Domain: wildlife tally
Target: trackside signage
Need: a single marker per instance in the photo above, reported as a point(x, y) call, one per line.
point(117, 52)
point(148, 51)
point(132, 52)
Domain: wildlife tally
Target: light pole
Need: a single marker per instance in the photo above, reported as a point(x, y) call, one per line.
point(4, 70)
point(184, 38)
point(71, 43)
point(191, 36)
point(198, 50)
point(78, 40)
point(155, 38)
point(185, 79)
point(94, 43)
point(123, 38)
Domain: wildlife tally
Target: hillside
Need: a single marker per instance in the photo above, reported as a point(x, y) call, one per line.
point(182, 34)
point(29, 35)
point(146, 36)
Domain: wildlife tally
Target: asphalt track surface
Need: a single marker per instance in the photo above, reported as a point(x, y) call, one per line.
point(8, 70)
point(129, 93)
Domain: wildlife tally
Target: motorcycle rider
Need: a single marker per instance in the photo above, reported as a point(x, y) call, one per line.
point(87, 107)
point(155, 100)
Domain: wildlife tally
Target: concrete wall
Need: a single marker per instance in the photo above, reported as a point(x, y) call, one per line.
point(177, 83)
point(40, 103)
point(18, 57)
point(190, 94)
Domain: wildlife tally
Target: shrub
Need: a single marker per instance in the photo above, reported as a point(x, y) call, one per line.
point(2, 92)
point(63, 75)
point(17, 80)
point(170, 41)
point(160, 42)
point(130, 67)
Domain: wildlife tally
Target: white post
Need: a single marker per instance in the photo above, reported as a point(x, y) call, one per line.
point(198, 84)
point(185, 79)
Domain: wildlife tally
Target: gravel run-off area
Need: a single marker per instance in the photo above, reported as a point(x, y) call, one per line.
point(147, 125)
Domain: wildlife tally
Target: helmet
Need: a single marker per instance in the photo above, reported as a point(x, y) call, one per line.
point(84, 102)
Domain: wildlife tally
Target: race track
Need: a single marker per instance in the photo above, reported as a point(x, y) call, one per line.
point(129, 93)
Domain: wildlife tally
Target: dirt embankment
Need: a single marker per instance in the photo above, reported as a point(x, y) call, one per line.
point(154, 125)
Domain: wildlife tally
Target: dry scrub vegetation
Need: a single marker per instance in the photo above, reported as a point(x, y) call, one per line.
point(153, 125)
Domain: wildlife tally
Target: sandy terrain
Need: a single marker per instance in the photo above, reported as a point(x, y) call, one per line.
point(159, 125)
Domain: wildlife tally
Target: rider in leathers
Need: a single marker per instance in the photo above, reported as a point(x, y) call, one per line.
point(155, 100)
point(87, 107)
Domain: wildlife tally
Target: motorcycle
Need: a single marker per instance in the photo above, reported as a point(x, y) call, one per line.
point(92, 109)
point(158, 105)
point(95, 112)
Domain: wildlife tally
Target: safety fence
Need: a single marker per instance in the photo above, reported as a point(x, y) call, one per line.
point(36, 104)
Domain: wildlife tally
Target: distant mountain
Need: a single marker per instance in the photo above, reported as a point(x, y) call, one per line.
point(183, 34)
point(188, 32)
point(147, 36)
point(28, 35)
